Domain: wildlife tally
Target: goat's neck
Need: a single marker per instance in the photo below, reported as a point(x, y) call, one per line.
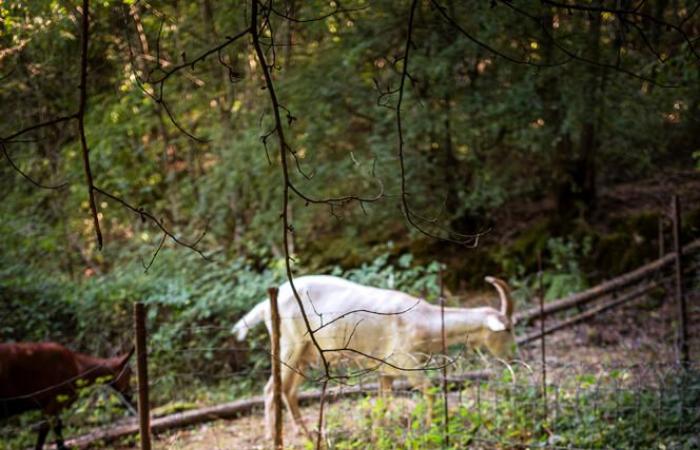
point(91, 367)
point(459, 323)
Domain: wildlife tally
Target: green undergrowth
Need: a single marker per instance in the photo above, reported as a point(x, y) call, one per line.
point(503, 414)
point(191, 307)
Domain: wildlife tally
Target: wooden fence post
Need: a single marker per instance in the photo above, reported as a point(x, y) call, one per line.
point(276, 376)
point(662, 244)
point(543, 347)
point(142, 375)
point(680, 297)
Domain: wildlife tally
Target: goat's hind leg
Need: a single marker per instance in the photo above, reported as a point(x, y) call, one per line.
point(385, 384)
point(290, 379)
point(268, 397)
point(290, 394)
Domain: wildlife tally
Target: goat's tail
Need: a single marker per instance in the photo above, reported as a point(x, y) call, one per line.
point(254, 317)
point(504, 291)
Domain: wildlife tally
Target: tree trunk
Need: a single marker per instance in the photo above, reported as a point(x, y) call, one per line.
point(576, 190)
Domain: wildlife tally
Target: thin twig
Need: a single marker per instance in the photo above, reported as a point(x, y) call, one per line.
point(25, 175)
point(143, 214)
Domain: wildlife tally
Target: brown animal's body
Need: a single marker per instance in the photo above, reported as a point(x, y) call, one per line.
point(47, 376)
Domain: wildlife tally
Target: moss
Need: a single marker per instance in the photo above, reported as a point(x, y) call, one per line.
point(172, 408)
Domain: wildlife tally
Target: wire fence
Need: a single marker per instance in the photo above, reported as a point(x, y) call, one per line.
point(592, 404)
point(616, 380)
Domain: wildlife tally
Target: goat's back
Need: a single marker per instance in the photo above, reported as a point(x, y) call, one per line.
point(347, 315)
point(328, 297)
point(32, 375)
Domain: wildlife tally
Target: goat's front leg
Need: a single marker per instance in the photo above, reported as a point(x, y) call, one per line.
point(58, 433)
point(420, 381)
point(385, 384)
point(44, 428)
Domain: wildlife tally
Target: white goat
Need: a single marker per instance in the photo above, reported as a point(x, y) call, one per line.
point(380, 329)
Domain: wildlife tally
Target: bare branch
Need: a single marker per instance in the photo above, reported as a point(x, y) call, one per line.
point(636, 12)
point(81, 120)
point(344, 315)
point(285, 172)
point(27, 177)
point(337, 10)
point(191, 63)
point(582, 59)
point(146, 267)
point(143, 214)
point(11, 138)
point(412, 218)
point(443, 12)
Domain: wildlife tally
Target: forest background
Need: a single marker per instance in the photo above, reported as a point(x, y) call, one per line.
point(538, 128)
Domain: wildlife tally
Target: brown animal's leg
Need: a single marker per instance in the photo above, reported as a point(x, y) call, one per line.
point(43, 432)
point(58, 433)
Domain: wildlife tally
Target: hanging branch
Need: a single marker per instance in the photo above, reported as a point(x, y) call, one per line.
point(81, 121)
point(157, 83)
point(574, 56)
point(282, 143)
point(143, 214)
point(25, 175)
point(79, 116)
point(12, 138)
point(338, 9)
point(413, 218)
point(443, 12)
point(635, 12)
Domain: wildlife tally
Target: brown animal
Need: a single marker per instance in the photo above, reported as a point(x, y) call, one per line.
point(47, 376)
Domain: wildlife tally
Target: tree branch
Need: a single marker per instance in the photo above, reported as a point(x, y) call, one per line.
point(81, 120)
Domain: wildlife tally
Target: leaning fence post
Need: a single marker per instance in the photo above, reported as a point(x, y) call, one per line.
point(680, 298)
point(142, 374)
point(446, 412)
point(276, 377)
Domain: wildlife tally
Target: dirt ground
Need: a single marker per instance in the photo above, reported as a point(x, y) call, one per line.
point(639, 337)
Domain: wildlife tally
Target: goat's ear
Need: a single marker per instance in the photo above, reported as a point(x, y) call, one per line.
point(494, 323)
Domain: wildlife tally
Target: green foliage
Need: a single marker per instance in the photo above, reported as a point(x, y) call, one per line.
point(401, 274)
point(32, 306)
point(561, 276)
point(508, 414)
point(480, 133)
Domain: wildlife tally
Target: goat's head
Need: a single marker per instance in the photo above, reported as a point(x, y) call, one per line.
point(497, 336)
point(121, 373)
